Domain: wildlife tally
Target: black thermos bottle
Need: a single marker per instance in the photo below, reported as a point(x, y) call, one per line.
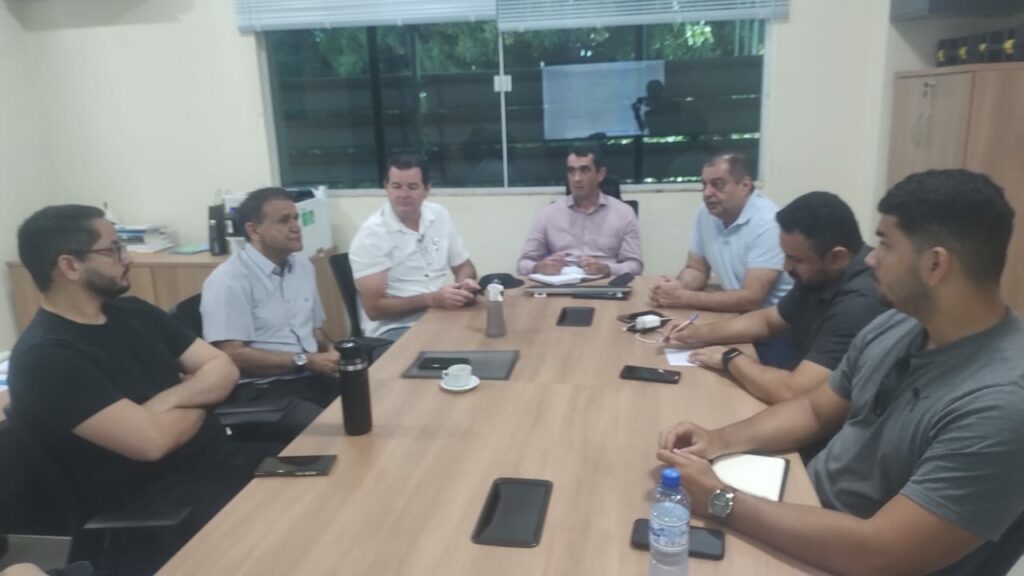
point(353, 373)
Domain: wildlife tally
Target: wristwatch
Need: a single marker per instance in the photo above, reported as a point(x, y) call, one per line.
point(728, 355)
point(721, 502)
point(299, 361)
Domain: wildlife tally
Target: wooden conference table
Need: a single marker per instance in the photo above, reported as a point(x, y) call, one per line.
point(404, 498)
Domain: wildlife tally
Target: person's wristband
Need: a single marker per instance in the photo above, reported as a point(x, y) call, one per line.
point(728, 357)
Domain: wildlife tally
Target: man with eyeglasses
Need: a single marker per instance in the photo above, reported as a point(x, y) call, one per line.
point(587, 228)
point(98, 379)
point(402, 254)
point(924, 472)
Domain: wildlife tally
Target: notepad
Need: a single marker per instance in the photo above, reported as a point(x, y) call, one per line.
point(762, 476)
point(568, 275)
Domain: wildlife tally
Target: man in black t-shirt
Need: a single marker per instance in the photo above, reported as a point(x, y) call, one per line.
point(99, 379)
point(833, 299)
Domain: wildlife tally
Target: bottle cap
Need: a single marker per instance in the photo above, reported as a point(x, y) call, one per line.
point(350, 351)
point(670, 478)
point(494, 291)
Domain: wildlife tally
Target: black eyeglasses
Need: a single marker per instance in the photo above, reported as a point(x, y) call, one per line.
point(116, 251)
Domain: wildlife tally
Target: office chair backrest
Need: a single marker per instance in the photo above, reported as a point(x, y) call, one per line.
point(635, 205)
point(1006, 552)
point(188, 315)
point(342, 270)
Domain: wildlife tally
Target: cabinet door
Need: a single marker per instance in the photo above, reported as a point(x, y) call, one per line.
point(929, 123)
point(995, 146)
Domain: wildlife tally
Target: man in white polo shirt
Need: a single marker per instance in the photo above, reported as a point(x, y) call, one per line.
point(403, 252)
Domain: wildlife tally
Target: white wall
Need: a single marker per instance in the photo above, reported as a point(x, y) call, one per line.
point(152, 105)
point(23, 165)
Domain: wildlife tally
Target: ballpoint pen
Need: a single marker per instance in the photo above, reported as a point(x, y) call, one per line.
point(680, 327)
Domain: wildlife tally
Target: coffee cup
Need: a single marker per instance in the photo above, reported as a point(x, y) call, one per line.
point(458, 376)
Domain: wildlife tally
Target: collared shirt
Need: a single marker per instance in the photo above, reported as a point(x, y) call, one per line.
point(249, 298)
point(610, 233)
point(824, 321)
point(417, 262)
point(939, 426)
point(751, 242)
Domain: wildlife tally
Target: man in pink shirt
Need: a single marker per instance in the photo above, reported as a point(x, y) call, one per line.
point(598, 233)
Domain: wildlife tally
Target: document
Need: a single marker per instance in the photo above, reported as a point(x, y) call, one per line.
point(678, 356)
point(762, 476)
point(568, 275)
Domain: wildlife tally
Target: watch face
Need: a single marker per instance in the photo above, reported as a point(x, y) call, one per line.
point(300, 359)
point(720, 504)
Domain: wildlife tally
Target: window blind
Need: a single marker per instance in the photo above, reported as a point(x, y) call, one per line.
point(265, 15)
point(522, 15)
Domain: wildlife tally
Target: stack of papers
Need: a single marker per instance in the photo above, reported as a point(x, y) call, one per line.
point(762, 476)
point(568, 275)
point(144, 238)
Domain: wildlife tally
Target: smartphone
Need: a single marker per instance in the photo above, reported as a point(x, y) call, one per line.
point(513, 513)
point(649, 374)
point(313, 465)
point(704, 542)
point(622, 279)
point(440, 363)
point(576, 316)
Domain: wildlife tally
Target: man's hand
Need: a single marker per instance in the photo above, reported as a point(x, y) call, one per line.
point(594, 267)
point(669, 293)
point(551, 265)
point(468, 284)
point(699, 479)
point(451, 297)
point(690, 438)
point(162, 402)
point(325, 363)
point(710, 357)
point(687, 337)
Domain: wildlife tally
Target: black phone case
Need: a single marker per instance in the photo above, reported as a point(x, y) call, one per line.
point(513, 513)
point(576, 316)
point(669, 376)
point(704, 542)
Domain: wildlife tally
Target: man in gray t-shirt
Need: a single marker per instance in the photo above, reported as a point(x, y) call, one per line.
point(924, 472)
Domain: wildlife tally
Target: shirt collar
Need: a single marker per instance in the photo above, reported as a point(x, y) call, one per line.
point(602, 200)
point(748, 210)
point(395, 225)
point(264, 264)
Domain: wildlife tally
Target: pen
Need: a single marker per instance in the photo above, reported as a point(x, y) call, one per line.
point(680, 327)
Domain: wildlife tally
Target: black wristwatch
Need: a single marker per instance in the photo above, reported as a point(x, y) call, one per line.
point(728, 355)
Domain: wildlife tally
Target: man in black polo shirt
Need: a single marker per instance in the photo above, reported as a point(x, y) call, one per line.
point(99, 380)
point(833, 298)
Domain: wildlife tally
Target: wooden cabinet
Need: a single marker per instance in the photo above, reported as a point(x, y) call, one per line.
point(966, 117)
point(166, 279)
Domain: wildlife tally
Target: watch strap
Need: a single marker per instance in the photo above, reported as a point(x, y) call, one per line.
point(728, 357)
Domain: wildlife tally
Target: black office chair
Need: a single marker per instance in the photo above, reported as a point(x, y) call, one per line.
point(1006, 552)
point(235, 414)
point(342, 269)
point(38, 498)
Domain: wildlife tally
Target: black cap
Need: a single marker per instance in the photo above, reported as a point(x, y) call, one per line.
point(506, 280)
point(350, 350)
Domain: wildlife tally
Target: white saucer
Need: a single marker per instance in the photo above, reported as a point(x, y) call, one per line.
point(473, 383)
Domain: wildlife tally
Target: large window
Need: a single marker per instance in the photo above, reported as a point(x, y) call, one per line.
point(658, 99)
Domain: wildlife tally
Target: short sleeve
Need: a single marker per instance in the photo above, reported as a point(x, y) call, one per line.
point(696, 239)
point(55, 385)
point(227, 308)
point(763, 250)
point(842, 322)
point(457, 253)
point(970, 473)
point(370, 252)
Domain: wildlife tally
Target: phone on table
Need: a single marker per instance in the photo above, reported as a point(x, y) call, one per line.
point(440, 363)
point(513, 513)
point(313, 465)
point(645, 374)
point(704, 542)
point(576, 316)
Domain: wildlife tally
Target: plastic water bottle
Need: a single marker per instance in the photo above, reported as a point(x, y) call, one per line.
point(670, 527)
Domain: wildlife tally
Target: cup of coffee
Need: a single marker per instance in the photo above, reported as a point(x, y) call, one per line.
point(458, 376)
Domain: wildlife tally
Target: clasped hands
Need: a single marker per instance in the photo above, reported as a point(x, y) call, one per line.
point(690, 449)
point(455, 295)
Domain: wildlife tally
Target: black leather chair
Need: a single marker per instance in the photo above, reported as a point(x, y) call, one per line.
point(38, 498)
point(233, 414)
point(342, 269)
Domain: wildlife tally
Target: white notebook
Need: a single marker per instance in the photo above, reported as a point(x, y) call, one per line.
point(757, 475)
